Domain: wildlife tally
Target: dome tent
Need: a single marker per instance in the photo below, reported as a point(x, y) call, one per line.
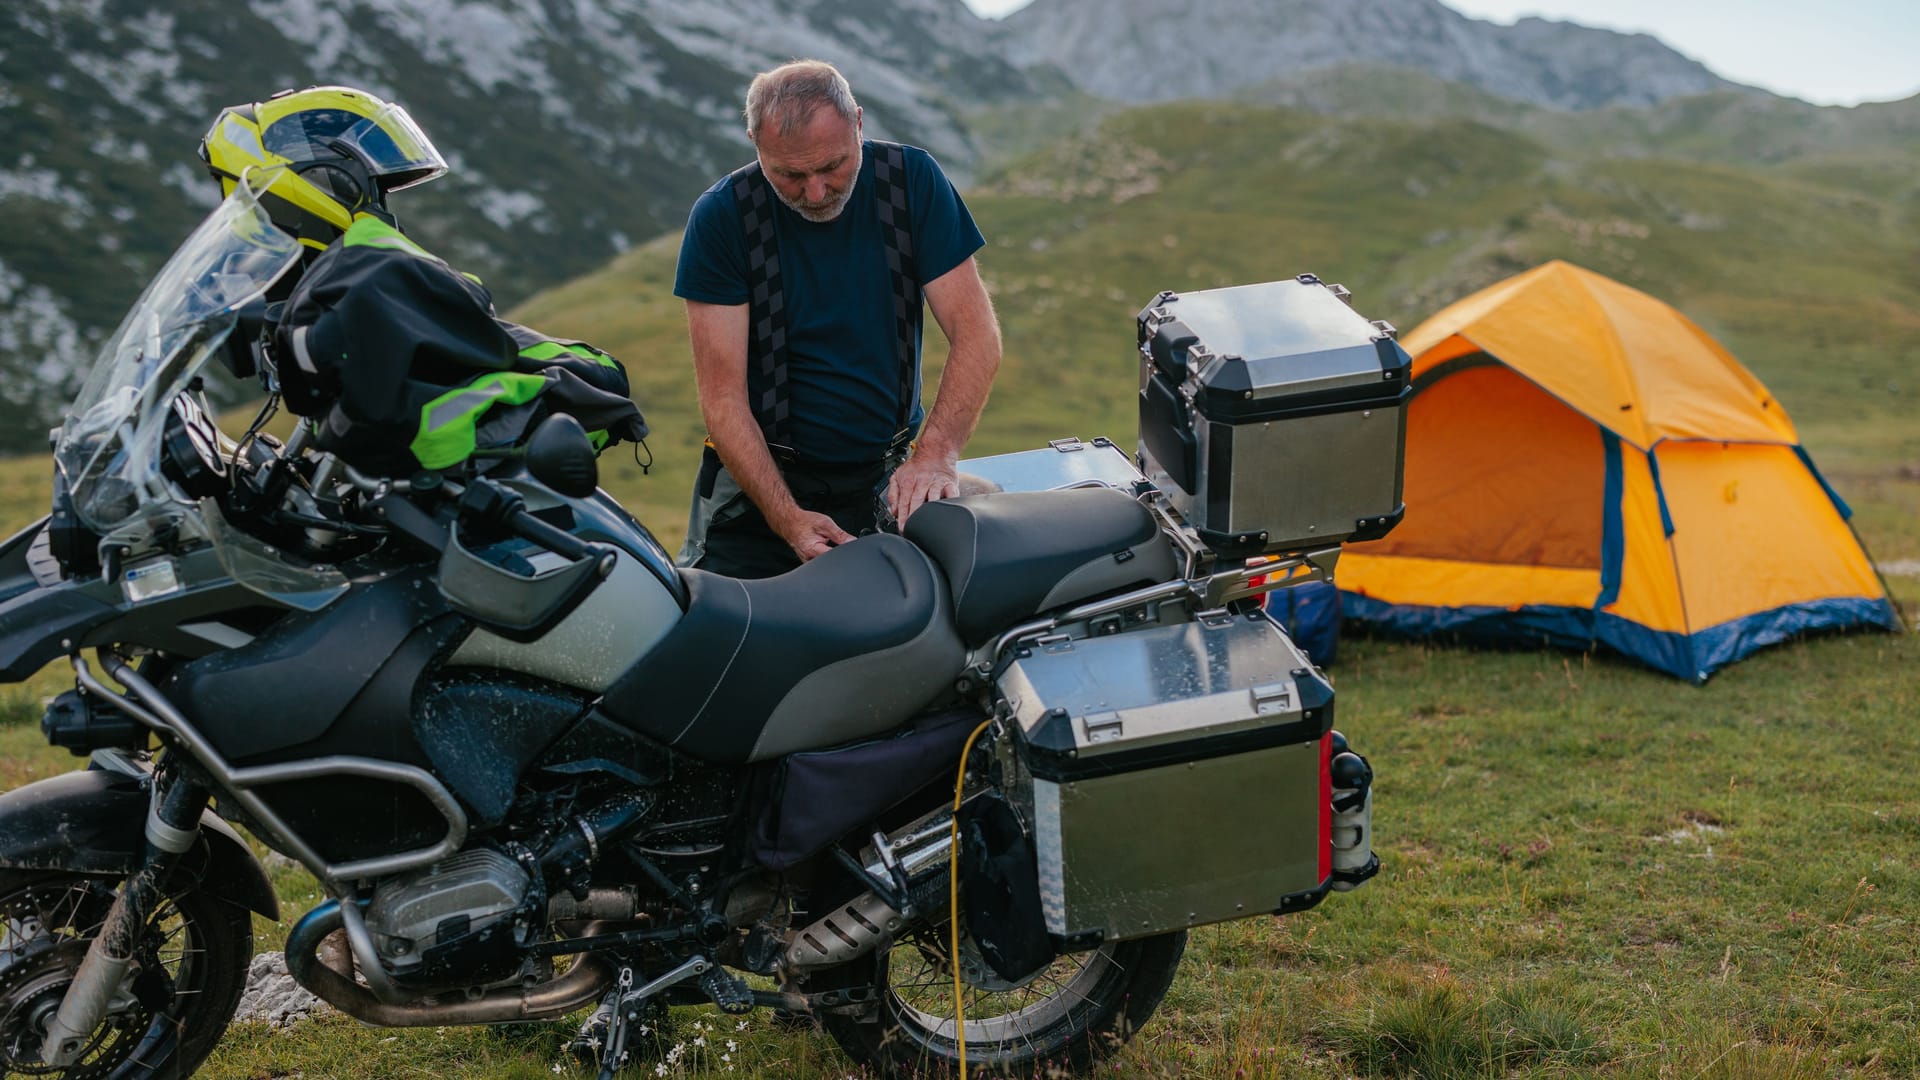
point(1585, 465)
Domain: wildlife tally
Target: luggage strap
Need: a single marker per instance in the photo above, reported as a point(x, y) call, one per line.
point(767, 348)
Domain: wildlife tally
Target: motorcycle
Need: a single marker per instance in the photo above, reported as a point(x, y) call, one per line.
point(955, 795)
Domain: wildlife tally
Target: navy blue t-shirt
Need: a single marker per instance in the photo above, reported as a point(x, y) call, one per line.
point(843, 374)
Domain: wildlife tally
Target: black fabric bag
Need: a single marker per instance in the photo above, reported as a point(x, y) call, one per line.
point(1000, 891)
point(817, 796)
point(378, 332)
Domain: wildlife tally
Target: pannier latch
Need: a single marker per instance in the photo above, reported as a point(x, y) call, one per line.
point(1105, 727)
point(1271, 698)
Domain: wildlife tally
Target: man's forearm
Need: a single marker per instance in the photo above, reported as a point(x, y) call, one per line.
point(964, 385)
point(743, 450)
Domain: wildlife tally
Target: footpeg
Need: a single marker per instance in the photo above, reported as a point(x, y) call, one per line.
point(628, 1003)
point(727, 990)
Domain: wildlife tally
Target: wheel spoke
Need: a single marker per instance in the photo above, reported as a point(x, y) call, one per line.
point(45, 931)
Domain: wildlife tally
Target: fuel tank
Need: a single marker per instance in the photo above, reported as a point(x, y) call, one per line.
point(617, 624)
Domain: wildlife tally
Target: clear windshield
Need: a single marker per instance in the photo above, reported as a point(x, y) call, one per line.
point(109, 447)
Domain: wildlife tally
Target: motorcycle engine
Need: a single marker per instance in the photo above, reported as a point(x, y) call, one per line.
point(454, 921)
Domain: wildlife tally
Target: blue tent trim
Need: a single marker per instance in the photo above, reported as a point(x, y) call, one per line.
point(1692, 657)
point(1613, 529)
point(1839, 504)
point(1659, 493)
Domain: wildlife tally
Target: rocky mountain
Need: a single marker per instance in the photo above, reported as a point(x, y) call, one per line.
point(1162, 50)
point(575, 129)
point(579, 128)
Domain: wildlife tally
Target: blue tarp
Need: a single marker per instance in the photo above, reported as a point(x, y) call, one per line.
point(1311, 615)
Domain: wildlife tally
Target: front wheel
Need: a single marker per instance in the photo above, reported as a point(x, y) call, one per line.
point(1065, 1017)
point(189, 970)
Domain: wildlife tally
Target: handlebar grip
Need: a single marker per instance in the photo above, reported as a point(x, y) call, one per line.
point(559, 541)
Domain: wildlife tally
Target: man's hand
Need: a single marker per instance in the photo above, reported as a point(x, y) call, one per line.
point(810, 535)
point(927, 476)
point(960, 304)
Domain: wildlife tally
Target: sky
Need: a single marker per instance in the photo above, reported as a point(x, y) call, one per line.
point(1841, 52)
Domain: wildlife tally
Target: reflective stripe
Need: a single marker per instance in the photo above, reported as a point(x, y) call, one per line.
point(544, 350)
point(449, 423)
point(449, 409)
point(554, 350)
point(300, 354)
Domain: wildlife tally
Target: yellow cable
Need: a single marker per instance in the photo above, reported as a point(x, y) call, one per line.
point(953, 901)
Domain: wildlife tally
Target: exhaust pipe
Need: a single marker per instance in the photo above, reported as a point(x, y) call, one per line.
point(588, 979)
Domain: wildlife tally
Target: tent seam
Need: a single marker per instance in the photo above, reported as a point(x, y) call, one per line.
point(1617, 351)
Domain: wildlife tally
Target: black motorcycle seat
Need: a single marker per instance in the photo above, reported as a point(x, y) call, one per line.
point(846, 646)
point(1013, 554)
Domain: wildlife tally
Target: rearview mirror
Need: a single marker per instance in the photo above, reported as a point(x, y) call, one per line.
point(560, 455)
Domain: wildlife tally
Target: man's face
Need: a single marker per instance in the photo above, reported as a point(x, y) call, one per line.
point(813, 167)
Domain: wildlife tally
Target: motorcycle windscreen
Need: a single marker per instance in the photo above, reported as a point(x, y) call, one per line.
point(110, 443)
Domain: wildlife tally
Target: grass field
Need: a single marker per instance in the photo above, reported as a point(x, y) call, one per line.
point(1591, 870)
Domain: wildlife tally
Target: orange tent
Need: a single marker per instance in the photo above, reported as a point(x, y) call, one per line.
point(1585, 465)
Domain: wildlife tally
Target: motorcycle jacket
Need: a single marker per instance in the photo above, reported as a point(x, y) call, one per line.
point(402, 364)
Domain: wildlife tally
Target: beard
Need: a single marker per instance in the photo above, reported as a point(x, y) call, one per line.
point(829, 208)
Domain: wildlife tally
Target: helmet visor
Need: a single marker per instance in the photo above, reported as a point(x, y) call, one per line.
point(390, 144)
point(395, 147)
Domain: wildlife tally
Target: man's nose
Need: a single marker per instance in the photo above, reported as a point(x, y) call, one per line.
point(816, 189)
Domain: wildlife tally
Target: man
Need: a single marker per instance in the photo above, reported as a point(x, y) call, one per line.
point(803, 274)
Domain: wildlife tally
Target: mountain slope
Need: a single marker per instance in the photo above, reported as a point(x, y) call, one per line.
point(574, 130)
point(1815, 287)
point(1162, 50)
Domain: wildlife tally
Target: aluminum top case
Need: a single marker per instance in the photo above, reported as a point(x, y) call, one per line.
point(1172, 776)
point(1273, 415)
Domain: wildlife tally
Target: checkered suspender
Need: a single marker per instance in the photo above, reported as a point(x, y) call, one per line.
point(896, 231)
point(766, 305)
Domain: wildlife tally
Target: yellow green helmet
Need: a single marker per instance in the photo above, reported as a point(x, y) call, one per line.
point(340, 151)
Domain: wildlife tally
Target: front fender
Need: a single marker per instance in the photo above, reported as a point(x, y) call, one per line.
point(94, 822)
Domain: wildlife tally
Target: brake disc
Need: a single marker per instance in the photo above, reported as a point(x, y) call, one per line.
point(31, 989)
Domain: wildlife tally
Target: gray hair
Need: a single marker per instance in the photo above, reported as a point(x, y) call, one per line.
point(790, 93)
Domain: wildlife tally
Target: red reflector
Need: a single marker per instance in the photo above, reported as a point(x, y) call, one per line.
point(1326, 806)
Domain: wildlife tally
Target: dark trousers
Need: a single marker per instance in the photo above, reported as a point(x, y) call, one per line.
point(726, 533)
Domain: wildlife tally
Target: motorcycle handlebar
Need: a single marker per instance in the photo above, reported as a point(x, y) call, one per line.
point(553, 538)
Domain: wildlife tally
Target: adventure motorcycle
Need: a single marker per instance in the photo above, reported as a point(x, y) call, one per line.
point(530, 762)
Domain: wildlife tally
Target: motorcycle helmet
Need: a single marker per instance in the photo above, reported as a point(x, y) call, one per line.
point(340, 152)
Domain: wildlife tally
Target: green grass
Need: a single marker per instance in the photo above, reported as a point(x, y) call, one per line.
point(1591, 870)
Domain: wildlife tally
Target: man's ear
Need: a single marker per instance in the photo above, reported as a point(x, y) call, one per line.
point(857, 114)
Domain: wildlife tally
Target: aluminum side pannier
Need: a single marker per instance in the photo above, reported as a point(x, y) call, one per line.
point(1172, 776)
